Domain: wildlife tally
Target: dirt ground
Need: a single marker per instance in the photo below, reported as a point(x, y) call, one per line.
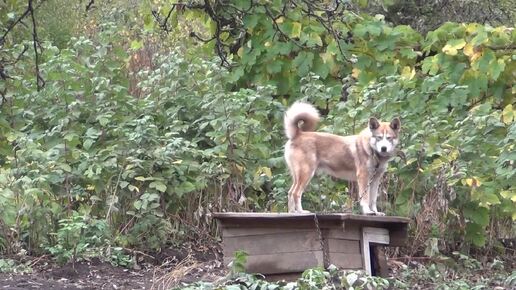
point(161, 271)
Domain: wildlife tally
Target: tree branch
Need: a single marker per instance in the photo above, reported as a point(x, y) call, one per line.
point(40, 82)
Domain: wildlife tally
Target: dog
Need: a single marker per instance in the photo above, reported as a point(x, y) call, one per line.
point(362, 158)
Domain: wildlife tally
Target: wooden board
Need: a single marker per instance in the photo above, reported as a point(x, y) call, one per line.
point(348, 223)
point(308, 216)
point(282, 263)
point(247, 231)
point(343, 246)
point(302, 241)
point(348, 231)
point(346, 261)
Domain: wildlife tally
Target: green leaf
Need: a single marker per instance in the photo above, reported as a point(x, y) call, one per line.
point(314, 40)
point(475, 233)
point(185, 187)
point(479, 215)
point(87, 144)
point(136, 44)
point(496, 68)
point(362, 3)
point(158, 185)
point(274, 66)
point(488, 199)
point(303, 62)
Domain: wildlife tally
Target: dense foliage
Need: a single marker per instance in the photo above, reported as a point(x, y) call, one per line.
point(117, 131)
point(460, 272)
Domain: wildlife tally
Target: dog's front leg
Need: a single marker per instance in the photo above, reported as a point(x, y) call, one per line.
point(375, 184)
point(363, 191)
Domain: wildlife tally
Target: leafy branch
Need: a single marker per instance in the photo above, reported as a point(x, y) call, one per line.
point(29, 11)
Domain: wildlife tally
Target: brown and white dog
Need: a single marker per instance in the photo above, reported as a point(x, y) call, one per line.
point(362, 158)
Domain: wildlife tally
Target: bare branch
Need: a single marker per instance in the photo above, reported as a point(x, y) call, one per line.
point(90, 5)
point(40, 82)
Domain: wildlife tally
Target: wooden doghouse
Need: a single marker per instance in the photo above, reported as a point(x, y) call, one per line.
point(283, 245)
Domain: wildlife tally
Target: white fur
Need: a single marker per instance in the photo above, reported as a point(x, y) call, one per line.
point(295, 110)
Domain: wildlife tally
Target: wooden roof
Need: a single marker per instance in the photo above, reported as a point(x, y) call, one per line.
point(268, 217)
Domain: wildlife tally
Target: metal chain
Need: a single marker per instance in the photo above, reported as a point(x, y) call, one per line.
point(326, 258)
point(324, 249)
point(368, 187)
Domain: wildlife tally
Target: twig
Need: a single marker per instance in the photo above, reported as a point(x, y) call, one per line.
point(90, 4)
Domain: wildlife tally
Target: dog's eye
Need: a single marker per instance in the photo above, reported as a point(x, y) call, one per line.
point(389, 138)
point(378, 138)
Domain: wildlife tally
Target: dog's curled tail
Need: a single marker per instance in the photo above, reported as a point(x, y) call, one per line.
point(300, 111)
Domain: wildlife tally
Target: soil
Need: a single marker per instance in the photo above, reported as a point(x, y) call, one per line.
point(164, 270)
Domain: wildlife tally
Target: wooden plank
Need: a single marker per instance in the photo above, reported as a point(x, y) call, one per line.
point(282, 263)
point(348, 231)
point(272, 243)
point(248, 231)
point(346, 261)
point(279, 223)
point(376, 235)
point(308, 216)
point(343, 246)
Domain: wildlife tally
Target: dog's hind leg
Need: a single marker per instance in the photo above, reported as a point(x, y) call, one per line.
point(304, 175)
point(291, 203)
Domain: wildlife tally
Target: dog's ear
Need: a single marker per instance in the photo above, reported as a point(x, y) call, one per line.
point(373, 123)
point(395, 124)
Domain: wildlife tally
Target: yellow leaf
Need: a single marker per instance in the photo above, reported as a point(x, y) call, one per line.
point(355, 72)
point(473, 182)
point(267, 171)
point(452, 46)
point(508, 114)
point(240, 51)
point(280, 20)
point(454, 154)
point(469, 50)
point(296, 30)
point(90, 187)
point(408, 73)
point(267, 44)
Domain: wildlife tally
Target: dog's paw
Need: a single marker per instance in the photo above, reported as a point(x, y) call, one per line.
point(379, 213)
point(304, 211)
point(368, 212)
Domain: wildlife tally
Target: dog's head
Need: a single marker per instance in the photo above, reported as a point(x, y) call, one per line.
point(384, 136)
